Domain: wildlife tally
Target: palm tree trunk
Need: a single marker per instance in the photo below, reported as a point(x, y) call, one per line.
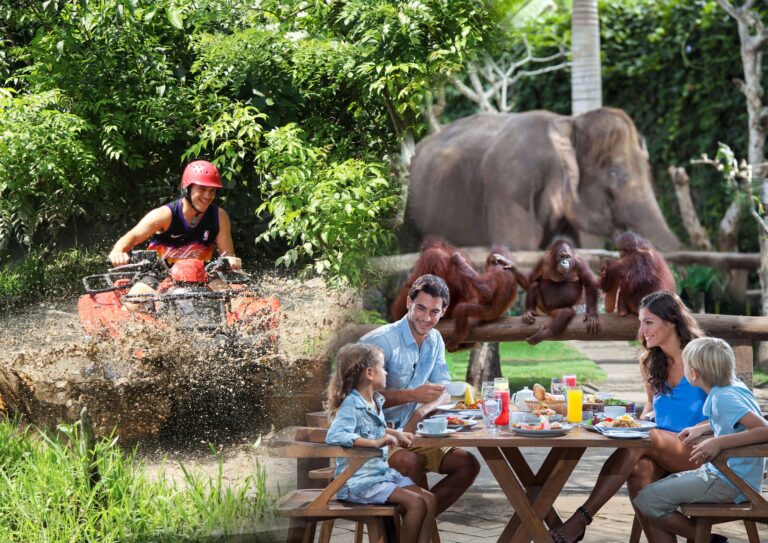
point(586, 80)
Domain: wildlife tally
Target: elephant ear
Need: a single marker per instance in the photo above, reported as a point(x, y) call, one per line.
point(560, 133)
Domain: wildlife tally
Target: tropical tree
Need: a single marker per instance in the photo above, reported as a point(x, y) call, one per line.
point(586, 80)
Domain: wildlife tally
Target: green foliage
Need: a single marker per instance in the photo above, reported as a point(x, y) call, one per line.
point(152, 81)
point(40, 276)
point(702, 285)
point(48, 477)
point(45, 168)
point(331, 213)
point(121, 62)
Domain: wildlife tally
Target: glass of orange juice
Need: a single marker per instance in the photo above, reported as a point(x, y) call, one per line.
point(575, 398)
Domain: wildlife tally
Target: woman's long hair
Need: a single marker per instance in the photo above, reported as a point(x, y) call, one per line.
point(351, 360)
point(669, 307)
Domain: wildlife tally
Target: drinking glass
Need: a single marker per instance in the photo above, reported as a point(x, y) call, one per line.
point(575, 397)
point(557, 386)
point(569, 380)
point(501, 393)
point(491, 410)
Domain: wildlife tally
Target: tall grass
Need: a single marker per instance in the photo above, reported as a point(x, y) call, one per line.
point(53, 490)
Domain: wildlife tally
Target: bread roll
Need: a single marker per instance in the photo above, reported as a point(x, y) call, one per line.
point(539, 392)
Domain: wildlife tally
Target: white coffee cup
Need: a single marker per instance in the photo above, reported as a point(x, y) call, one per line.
point(456, 388)
point(433, 426)
point(615, 411)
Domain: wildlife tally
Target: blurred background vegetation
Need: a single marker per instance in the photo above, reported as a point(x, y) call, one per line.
point(304, 106)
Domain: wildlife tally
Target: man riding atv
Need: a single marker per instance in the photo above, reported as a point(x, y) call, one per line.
point(183, 229)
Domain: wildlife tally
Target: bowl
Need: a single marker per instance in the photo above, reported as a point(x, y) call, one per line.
point(456, 388)
point(614, 411)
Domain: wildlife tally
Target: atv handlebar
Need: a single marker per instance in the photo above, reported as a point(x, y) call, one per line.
point(221, 269)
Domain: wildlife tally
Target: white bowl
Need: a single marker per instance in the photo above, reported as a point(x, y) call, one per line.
point(456, 389)
point(615, 411)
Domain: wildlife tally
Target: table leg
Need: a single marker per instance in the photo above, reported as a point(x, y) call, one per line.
point(515, 494)
point(531, 496)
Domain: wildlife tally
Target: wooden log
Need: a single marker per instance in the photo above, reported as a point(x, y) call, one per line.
point(527, 259)
point(729, 327)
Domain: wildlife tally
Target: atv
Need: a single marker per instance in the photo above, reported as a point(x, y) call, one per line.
point(235, 314)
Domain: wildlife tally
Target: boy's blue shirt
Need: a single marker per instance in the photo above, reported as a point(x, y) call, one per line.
point(725, 406)
point(357, 419)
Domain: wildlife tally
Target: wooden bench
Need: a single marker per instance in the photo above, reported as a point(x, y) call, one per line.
point(306, 507)
point(756, 509)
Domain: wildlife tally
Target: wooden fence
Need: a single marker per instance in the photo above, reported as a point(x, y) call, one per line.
point(740, 332)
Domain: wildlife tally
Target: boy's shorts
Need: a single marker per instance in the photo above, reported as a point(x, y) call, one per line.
point(662, 498)
point(430, 457)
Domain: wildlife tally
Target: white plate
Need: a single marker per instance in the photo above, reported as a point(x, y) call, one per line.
point(451, 408)
point(531, 418)
point(448, 432)
point(470, 424)
point(542, 433)
point(645, 425)
point(624, 434)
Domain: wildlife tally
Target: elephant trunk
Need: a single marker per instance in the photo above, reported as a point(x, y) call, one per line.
point(644, 217)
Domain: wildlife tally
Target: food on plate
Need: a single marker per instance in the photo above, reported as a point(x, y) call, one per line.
point(624, 421)
point(615, 401)
point(543, 424)
point(552, 407)
point(458, 421)
point(463, 405)
point(468, 398)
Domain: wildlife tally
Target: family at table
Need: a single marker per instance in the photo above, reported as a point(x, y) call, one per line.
point(397, 373)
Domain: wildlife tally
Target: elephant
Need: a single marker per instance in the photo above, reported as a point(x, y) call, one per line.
point(523, 179)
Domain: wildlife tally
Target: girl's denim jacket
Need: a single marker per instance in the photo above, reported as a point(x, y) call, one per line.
point(356, 419)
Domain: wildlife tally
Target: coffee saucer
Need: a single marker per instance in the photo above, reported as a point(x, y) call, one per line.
point(448, 432)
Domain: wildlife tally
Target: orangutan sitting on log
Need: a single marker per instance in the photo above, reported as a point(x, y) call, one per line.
point(496, 288)
point(555, 285)
point(640, 270)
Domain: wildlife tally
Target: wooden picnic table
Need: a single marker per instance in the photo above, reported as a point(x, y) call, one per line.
point(531, 495)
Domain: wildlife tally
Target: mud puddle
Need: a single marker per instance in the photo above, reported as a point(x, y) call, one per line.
point(183, 393)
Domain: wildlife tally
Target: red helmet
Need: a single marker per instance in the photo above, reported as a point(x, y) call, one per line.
point(189, 270)
point(201, 172)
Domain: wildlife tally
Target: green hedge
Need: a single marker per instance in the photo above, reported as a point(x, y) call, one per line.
point(39, 277)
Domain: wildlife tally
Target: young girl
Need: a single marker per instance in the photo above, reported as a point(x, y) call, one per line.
point(355, 405)
point(735, 420)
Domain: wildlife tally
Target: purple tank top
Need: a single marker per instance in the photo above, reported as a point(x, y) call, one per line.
point(181, 240)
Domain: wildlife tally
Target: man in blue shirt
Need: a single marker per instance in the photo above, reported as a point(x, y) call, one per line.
point(414, 355)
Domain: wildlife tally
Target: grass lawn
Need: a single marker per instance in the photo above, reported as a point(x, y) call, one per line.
point(760, 379)
point(525, 365)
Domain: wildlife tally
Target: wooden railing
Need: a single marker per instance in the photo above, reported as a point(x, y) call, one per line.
point(526, 260)
point(741, 332)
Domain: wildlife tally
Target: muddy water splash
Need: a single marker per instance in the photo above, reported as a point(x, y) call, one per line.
point(163, 381)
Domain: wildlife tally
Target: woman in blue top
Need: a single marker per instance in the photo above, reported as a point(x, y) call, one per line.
point(358, 421)
point(666, 327)
point(735, 420)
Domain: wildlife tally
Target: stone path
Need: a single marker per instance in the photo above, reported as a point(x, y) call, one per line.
point(480, 515)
